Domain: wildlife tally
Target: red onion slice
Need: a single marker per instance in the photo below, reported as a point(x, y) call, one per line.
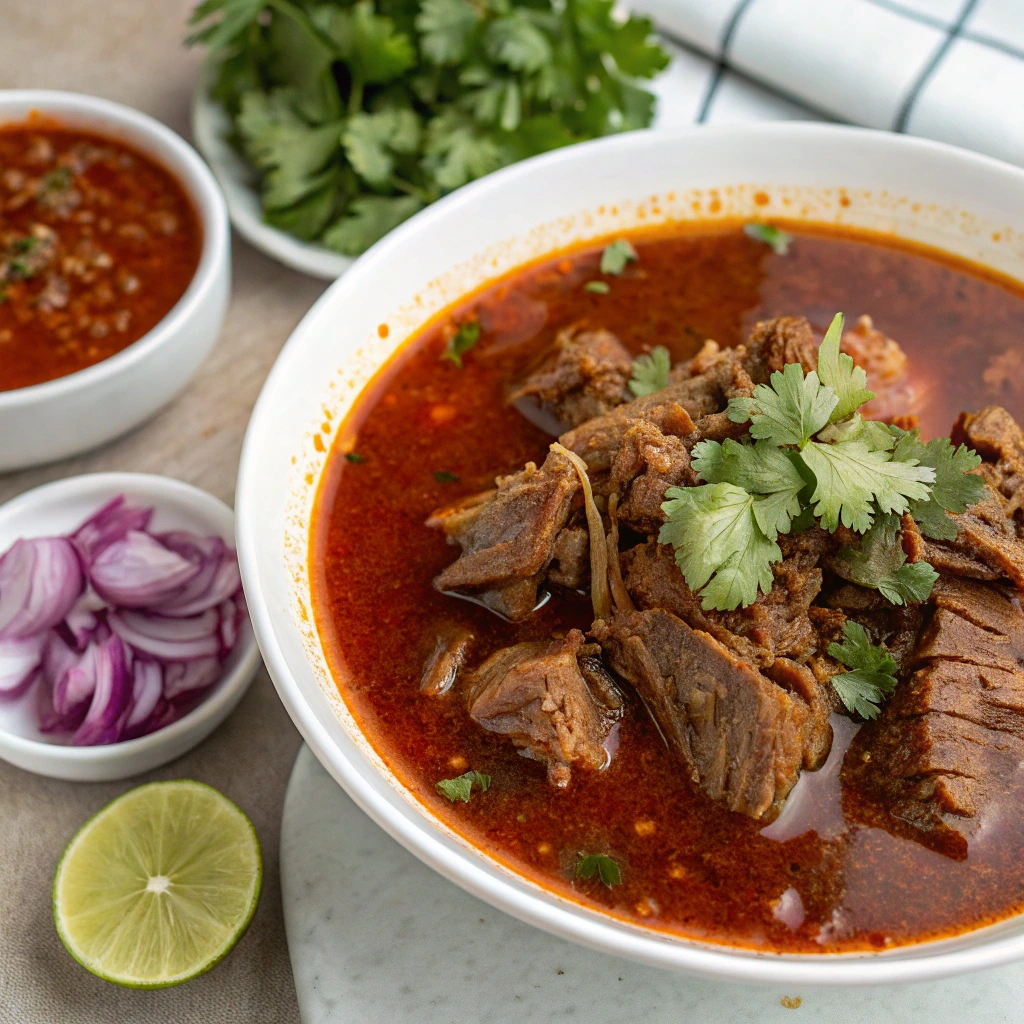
point(40, 580)
point(183, 680)
point(109, 524)
point(169, 639)
point(111, 699)
point(147, 690)
point(19, 664)
point(137, 571)
point(217, 580)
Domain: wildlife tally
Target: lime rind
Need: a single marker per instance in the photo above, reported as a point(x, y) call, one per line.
point(105, 919)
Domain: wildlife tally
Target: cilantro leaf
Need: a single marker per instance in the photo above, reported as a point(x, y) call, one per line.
point(877, 436)
point(368, 219)
point(219, 23)
point(851, 478)
point(837, 370)
point(514, 40)
point(789, 411)
point(374, 50)
point(617, 256)
point(354, 457)
point(600, 864)
point(873, 674)
point(650, 372)
point(718, 543)
point(446, 27)
point(597, 287)
point(445, 476)
point(457, 151)
point(373, 141)
point(880, 562)
point(629, 43)
point(955, 486)
point(461, 788)
point(772, 236)
point(462, 341)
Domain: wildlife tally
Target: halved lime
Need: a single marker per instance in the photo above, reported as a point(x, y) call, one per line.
point(158, 886)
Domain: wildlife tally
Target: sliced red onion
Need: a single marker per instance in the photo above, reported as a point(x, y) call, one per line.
point(169, 639)
point(20, 661)
point(137, 571)
point(147, 691)
point(70, 673)
point(183, 680)
point(82, 622)
point(110, 524)
point(217, 580)
point(111, 699)
point(40, 580)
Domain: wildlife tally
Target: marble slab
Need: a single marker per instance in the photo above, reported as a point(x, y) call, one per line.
point(376, 938)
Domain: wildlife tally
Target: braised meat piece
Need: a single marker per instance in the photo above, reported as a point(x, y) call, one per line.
point(445, 661)
point(953, 734)
point(570, 558)
point(553, 699)
point(508, 536)
point(742, 738)
point(774, 343)
point(647, 463)
point(886, 366)
point(585, 375)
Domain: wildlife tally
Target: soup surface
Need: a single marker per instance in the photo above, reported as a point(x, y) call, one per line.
point(97, 243)
point(427, 432)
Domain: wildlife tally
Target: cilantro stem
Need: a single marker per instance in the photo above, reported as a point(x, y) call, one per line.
point(299, 16)
point(355, 97)
point(410, 189)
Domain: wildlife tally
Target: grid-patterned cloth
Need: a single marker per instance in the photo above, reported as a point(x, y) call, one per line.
point(946, 69)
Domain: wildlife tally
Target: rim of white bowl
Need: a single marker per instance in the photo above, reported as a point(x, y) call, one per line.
point(220, 518)
point(93, 113)
point(420, 834)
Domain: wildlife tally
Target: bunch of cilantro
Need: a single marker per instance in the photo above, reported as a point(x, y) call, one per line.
point(356, 115)
point(810, 459)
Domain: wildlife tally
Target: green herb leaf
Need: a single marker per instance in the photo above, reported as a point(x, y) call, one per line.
point(462, 341)
point(650, 371)
point(873, 675)
point(457, 150)
point(601, 865)
point(445, 477)
point(838, 371)
point(461, 788)
point(719, 544)
point(373, 142)
point(880, 562)
point(355, 457)
point(514, 40)
point(617, 256)
point(369, 43)
point(446, 27)
point(955, 486)
point(367, 220)
point(851, 479)
point(775, 237)
point(597, 287)
point(789, 411)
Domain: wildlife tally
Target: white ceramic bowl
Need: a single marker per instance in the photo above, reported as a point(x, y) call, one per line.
point(72, 414)
point(920, 190)
point(58, 508)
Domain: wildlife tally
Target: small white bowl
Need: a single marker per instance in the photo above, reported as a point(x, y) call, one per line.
point(58, 508)
point(72, 414)
point(210, 128)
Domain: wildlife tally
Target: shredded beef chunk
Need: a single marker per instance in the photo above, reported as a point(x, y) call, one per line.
point(742, 737)
point(553, 699)
point(950, 737)
point(508, 537)
point(773, 343)
point(585, 375)
point(647, 463)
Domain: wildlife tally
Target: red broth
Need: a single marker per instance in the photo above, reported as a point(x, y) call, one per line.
point(689, 866)
point(97, 244)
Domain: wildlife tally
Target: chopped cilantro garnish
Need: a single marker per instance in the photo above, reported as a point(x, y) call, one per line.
point(56, 181)
point(461, 788)
point(356, 114)
point(881, 562)
point(617, 256)
point(873, 671)
point(601, 865)
point(597, 287)
point(26, 244)
point(814, 458)
point(467, 335)
point(355, 457)
point(775, 237)
point(445, 477)
point(650, 372)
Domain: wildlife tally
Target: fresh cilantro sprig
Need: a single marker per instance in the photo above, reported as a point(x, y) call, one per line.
point(356, 115)
point(650, 372)
point(464, 338)
point(770, 235)
point(813, 458)
point(873, 671)
point(461, 787)
point(604, 867)
point(617, 256)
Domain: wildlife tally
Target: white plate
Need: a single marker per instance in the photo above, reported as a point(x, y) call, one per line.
point(925, 191)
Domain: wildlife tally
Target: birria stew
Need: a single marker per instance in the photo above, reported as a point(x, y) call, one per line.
point(97, 244)
point(693, 602)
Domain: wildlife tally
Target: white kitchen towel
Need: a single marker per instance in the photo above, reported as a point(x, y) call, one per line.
point(951, 70)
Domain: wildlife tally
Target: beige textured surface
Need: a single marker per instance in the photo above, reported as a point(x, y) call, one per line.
point(130, 50)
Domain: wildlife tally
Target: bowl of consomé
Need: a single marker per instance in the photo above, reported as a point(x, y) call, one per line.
point(635, 536)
